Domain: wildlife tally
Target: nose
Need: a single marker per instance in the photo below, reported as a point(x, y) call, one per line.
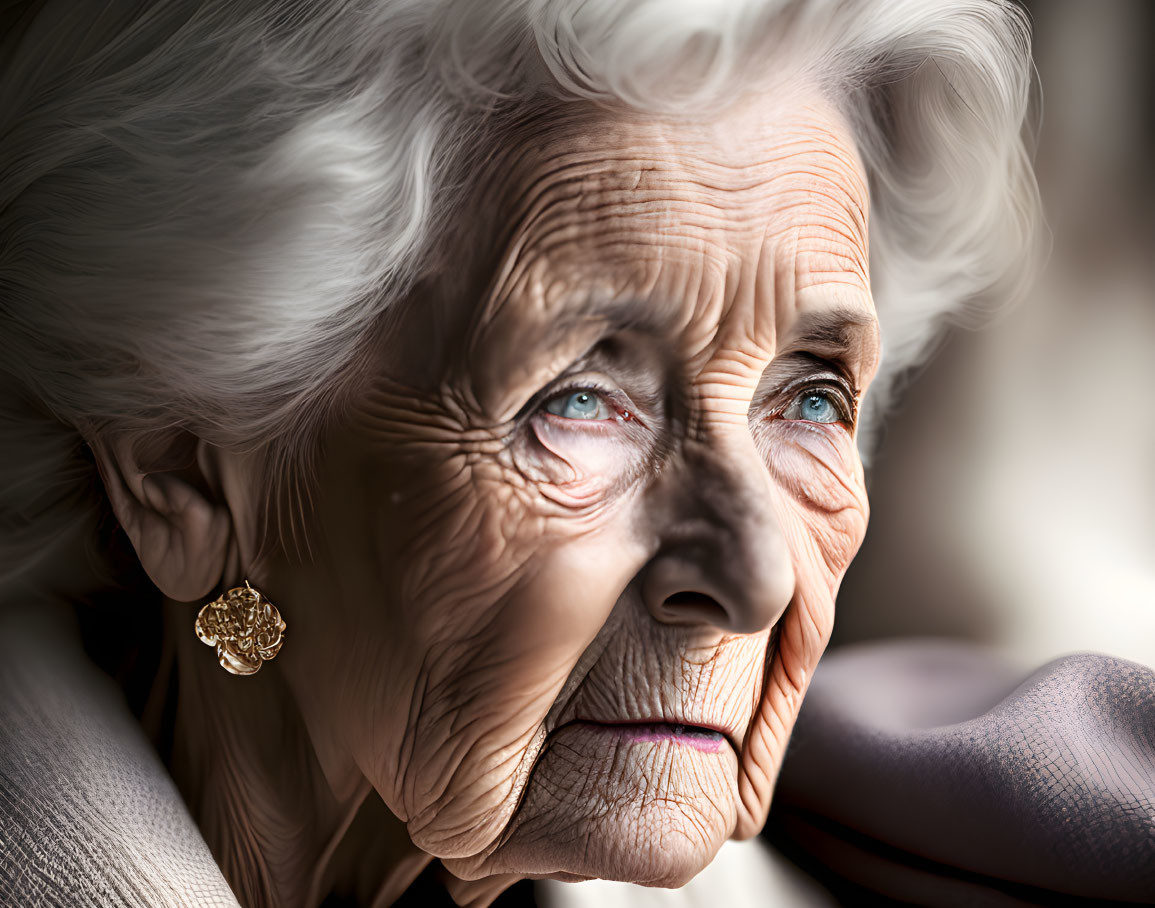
point(723, 558)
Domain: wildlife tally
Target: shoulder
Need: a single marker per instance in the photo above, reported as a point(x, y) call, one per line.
point(89, 813)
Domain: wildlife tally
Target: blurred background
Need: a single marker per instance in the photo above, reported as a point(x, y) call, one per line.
point(1013, 492)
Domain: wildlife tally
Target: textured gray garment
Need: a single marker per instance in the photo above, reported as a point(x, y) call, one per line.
point(88, 814)
point(1006, 791)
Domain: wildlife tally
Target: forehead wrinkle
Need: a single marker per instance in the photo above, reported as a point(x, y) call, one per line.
point(634, 172)
point(672, 202)
point(834, 326)
point(829, 220)
point(604, 186)
point(618, 222)
point(811, 239)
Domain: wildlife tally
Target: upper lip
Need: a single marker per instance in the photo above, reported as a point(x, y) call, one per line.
point(725, 731)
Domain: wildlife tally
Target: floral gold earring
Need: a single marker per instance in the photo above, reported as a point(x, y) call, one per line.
point(244, 626)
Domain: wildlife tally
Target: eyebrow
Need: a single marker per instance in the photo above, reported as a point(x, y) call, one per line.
point(629, 313)
point(835, 336)
point(832, 329)
point(837, 328)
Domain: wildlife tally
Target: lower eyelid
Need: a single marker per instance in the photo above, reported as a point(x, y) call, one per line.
point(843, 423)
point(776, 433)
point(586, 425)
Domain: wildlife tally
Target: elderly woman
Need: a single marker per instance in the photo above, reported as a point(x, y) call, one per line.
point(484, 383)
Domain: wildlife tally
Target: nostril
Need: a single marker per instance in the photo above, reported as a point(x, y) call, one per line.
point(680, 599)
point(694, 607)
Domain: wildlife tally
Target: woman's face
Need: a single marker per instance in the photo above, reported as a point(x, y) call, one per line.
point(578, 536)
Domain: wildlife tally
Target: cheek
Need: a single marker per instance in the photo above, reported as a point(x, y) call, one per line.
point(824, 509)
point(818, 470)
point(503, 619)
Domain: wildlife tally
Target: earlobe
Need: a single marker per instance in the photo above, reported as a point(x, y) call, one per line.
point(164, 494)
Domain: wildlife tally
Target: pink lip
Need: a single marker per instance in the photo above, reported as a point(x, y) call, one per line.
point(704, 739)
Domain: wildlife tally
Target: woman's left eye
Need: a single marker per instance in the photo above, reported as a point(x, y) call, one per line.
point(584, 403)
point(816, 405)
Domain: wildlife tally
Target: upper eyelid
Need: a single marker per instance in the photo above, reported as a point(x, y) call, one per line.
point(814, 379)
point(567, 384)
point(788, 393)
point(804, 365)
point(579, 382)
point(834, 365)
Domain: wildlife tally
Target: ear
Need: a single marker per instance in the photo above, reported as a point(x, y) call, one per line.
point(166, 493)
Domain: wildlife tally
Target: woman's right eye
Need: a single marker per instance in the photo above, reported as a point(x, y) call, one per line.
point(581, 403)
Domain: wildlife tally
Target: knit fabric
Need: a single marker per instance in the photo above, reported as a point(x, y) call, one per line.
point(942, 753)
point(89, 817)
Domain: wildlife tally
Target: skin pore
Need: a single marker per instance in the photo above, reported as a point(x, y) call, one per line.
point(576, 537)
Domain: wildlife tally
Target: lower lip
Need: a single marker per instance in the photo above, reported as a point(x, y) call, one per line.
point(702, 739)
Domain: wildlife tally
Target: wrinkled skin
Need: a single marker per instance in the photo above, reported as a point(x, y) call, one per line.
point(602, 473)
point(487, 573)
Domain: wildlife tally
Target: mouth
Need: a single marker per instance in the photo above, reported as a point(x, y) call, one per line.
point(698, 737)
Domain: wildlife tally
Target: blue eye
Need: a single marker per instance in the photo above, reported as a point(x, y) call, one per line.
point(816, 405)
point(584, 403)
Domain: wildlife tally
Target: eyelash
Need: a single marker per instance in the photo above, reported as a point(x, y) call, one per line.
point(613, 397)
point(842, 397)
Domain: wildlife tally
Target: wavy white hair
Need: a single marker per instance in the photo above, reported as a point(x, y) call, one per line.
point(206, 204)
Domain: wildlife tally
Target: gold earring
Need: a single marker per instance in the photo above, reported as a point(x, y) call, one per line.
point(244, 626)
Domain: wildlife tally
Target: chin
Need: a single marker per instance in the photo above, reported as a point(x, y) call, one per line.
point(651, 813)
point(665, 844)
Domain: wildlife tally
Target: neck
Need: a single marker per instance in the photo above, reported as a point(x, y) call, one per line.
point(285, 830)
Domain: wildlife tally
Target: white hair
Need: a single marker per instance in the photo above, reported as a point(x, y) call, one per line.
point(205, 205)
